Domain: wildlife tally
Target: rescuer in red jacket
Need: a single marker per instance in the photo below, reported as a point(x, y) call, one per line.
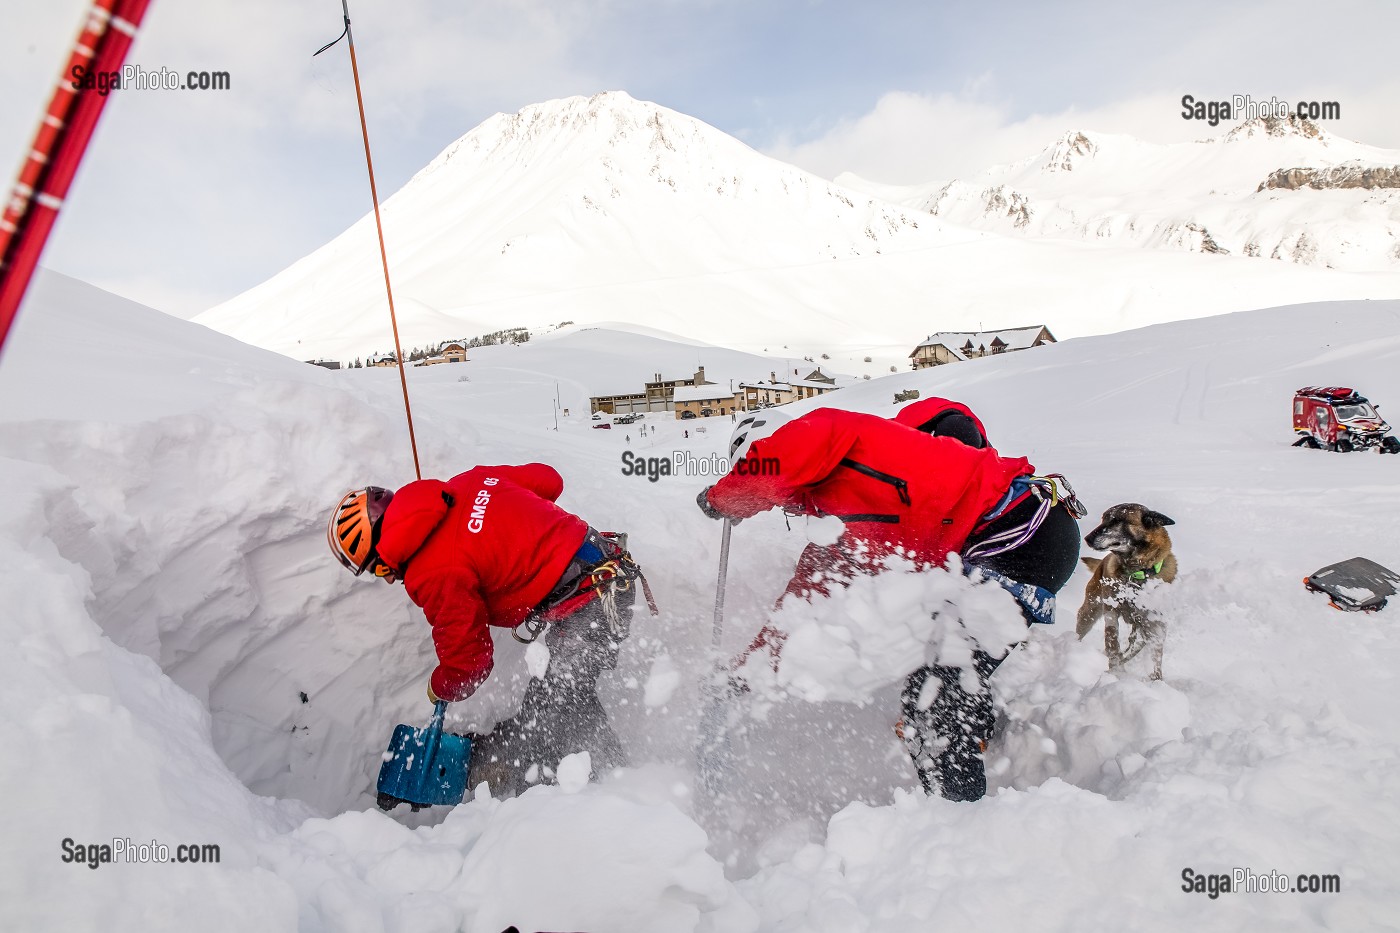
point(939, 417)
point(899, 489)
point(489, 547)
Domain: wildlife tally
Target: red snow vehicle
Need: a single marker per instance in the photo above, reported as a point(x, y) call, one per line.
point(1336, 418)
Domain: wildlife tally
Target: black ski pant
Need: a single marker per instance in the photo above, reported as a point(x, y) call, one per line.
point(945, 727)
point(561, 713)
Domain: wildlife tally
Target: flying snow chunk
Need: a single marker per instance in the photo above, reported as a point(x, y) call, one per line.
point(537, 659)
point(574, 771)
point(662, 682)
point(872, 633)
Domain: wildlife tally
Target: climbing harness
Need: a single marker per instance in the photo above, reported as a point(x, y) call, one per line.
point(601, 569)
point(1046, 490)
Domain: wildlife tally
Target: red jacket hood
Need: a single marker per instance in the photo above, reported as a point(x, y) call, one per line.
point(917, 414)
point(419, 508)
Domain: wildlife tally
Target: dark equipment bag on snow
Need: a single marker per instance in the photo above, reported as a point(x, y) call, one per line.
point(1355, 585)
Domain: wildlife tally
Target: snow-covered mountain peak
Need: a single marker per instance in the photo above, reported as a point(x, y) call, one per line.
point(585, 208)
point(1279, 128)
point(609, 129)
point(1069, 150)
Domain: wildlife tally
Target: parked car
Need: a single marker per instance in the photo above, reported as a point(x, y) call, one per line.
point(687, 415)
point(597, 416)
point(606, 425)
point(1337, 418)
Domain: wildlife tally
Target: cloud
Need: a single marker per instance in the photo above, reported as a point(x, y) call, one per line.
point(1008, 81)
point(909, 138)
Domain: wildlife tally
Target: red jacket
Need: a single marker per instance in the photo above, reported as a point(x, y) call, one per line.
point(486, 557)
point(917, 414)
point(894, 487)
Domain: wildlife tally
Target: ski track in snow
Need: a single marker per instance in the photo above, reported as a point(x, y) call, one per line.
point(168, 598)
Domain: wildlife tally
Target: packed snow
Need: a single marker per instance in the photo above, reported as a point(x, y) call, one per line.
point(186, 664)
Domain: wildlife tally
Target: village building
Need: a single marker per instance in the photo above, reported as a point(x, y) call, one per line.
point(657, 395)
point(959, 346)
point(451, 352)
point(703, 401)
point(697, 397)
point(755, 395)
point(664, 389)
point(619, 403)
point(812, 385)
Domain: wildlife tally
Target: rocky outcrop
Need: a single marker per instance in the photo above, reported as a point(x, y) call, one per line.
point(1068, 150)
point(1008, 201)
point(1300, 248)
point(1350, 175)
point(1189, 236)
point(1208, 244)
point(1291, 125)
point(961, 202)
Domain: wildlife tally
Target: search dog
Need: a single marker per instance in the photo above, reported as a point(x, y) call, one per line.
point(1139, 549)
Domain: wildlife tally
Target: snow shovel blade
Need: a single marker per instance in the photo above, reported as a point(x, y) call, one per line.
point(1355, 585)
point(425, 767)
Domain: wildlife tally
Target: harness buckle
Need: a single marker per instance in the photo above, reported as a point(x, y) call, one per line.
point(534, 627)
point(1068, 498)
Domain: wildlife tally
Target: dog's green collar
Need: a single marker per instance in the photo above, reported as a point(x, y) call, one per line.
point(1144, 574)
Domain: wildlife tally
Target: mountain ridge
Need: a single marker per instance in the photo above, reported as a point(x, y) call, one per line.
point(1207, 196)
point(610, 208)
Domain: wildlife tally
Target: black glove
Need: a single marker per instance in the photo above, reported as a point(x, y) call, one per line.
point(703, 500)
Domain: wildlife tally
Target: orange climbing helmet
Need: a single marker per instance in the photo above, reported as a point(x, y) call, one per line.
point(354, 527)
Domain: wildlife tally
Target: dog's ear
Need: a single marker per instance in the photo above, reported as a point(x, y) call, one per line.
point(1091, 562)
point(1155, 520)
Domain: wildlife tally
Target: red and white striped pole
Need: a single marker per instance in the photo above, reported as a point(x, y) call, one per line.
point(58, 148)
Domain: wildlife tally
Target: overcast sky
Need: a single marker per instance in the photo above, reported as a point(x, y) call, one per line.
point(188, 198)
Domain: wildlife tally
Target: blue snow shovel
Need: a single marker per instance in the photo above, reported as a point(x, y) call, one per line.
point(424, 767)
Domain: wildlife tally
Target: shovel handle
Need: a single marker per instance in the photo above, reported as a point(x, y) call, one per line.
point(717, 631)
point(434, 734)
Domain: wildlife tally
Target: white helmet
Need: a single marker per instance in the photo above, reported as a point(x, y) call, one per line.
point(754, 426)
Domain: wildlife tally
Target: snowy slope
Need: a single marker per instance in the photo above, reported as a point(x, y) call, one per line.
point(612, 209)
point(169, 598)
point(1223, 195)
